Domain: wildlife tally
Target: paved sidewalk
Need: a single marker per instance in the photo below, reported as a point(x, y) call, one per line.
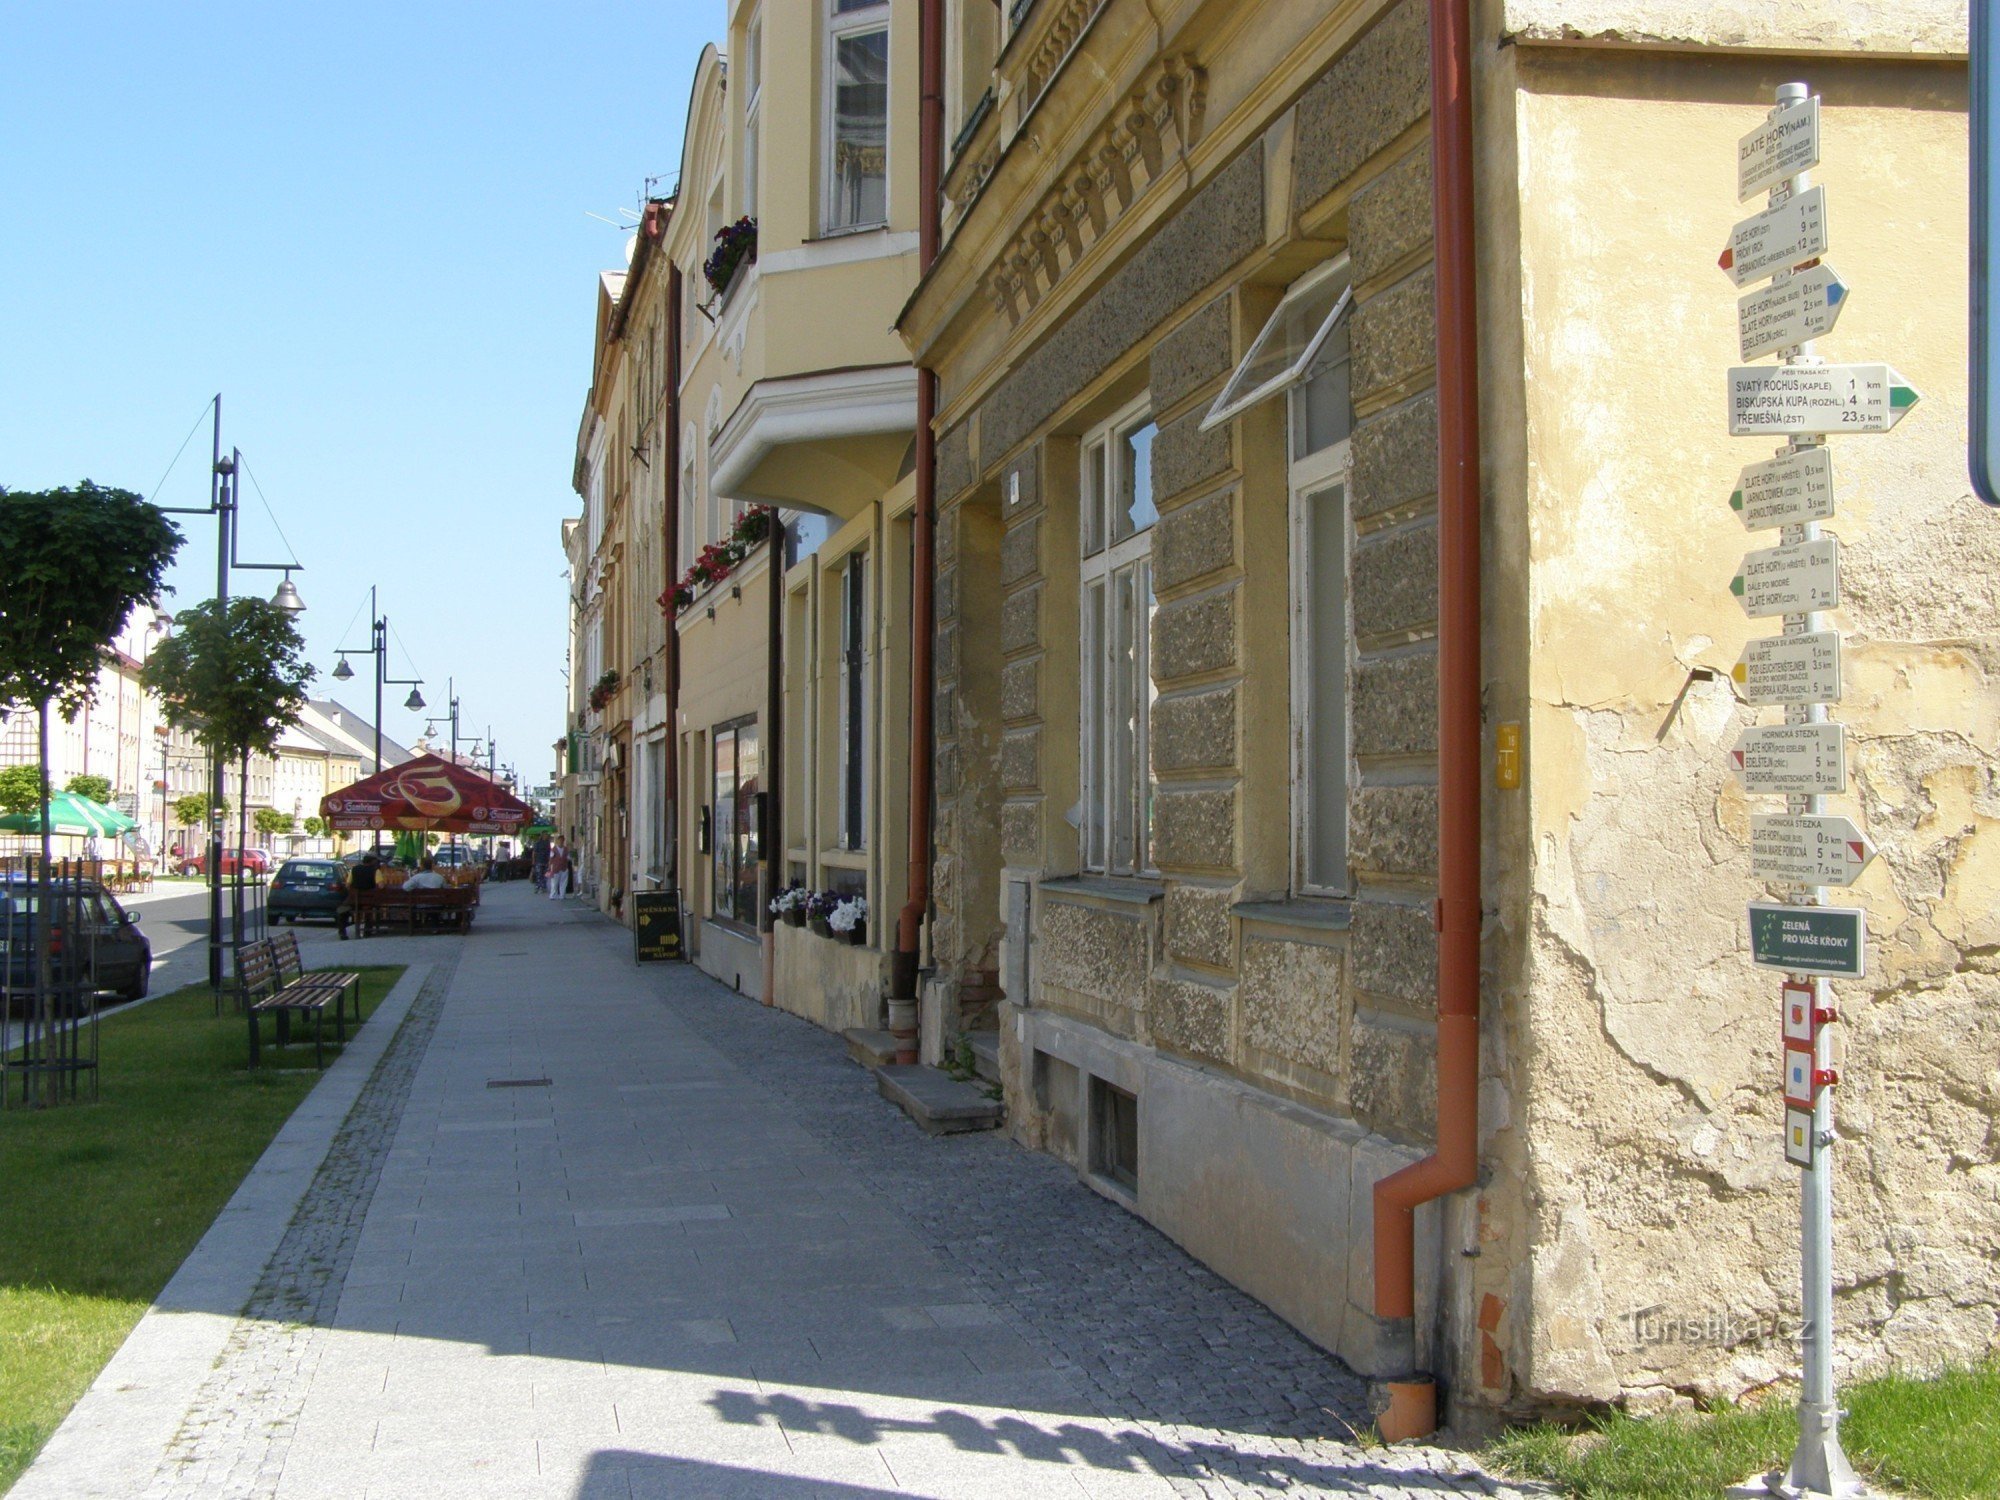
point(590, 1230)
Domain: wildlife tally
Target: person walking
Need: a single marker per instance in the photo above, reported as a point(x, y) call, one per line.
point(362, 878)
point(558, 873)
point(538, 867)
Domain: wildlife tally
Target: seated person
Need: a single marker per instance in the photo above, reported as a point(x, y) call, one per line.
point(426, 878)
point(361, 878)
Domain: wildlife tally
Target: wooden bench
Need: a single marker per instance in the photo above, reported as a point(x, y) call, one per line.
point(293, 974)
point(263, 993)
point(418, 911)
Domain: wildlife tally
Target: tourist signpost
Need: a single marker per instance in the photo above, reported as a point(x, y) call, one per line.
point(1791, 298)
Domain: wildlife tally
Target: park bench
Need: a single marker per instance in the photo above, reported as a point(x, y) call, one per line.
point(263, 993)
point(292, 973)
point(418, 911)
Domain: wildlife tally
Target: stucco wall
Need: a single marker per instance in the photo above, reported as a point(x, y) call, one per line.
point(1645, 1046)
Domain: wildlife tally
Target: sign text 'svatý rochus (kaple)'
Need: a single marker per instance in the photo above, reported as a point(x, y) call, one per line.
point(1774, 400)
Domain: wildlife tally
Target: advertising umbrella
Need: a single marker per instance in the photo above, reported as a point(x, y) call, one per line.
point(73, 814)
point(426, 795)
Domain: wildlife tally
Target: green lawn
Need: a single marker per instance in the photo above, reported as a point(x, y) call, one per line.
point(1938, 1438)
point(101, 1202)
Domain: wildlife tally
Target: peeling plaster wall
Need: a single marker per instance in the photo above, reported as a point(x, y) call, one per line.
point(1645, 1044)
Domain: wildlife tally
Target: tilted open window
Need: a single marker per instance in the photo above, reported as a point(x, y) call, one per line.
point(1288, 346)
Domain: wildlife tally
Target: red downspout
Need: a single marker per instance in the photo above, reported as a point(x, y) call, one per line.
point(1455, 1163)
point(923, 686)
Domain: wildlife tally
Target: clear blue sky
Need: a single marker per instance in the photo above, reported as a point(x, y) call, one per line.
point(366, 226)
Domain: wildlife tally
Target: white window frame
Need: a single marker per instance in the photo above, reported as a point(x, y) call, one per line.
point(852, 756)
point(689, 499)
point(841, 25)
point(1233, 399)
point(753, 97)
point(1311, 477)
point(1106, 778)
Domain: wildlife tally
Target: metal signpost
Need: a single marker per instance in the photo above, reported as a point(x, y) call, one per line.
point(1804, 849)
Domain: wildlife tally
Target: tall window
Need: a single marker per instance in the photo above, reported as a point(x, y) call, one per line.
point(733, 841)
point(753, 96)
point(1116, 500)
point(855, 125)
point(854, 702)
point(688, 545)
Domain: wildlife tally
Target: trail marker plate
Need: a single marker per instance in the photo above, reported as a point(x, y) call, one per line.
point(1785, 491)
point(1808, 848)
point(1781, 399)
point(1791, 669)
point(1778, 238)
point(1789, 311)
point(1799, 1023)
point(1824, 940)
point(1792, 760)
point(1783, 146)
point(1789, 580)
point(1800, 1141)
point(1799, 1068)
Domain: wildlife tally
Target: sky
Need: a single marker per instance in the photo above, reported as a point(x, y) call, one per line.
point(368, 228)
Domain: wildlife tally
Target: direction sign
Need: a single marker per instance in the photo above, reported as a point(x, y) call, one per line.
point(1792, 760)
point(1791, 668)
point(1783, 146)
point(1790, 310)
point(1789, 580)
point(1809, 939)
point(1785, 491)
point(1779, 399)
point(1777, 238)
point(1807, 848)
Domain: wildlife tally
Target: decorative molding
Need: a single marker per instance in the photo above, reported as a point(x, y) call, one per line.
point(1040, 64)
point(1151, 130)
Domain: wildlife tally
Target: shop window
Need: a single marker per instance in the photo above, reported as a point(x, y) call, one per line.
point(855, 127)
point(733, 840)
point(1116, 501)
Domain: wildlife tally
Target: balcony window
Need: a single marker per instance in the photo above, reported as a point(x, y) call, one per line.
point(855, 128)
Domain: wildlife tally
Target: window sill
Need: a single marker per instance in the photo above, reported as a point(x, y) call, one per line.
point(1318, 914)
point(1114, 890)
point(848, 231)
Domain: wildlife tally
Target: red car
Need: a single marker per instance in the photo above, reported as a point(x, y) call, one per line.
point(234, 862)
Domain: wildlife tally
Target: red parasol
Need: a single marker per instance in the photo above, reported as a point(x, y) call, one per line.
point(430, 795)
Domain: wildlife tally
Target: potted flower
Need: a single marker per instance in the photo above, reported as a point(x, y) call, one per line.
point(850, 920)
point(734, 244)
point(819, 907)
point(789, 905)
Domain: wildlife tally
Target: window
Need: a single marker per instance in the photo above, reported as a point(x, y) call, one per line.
point(688, 544)
point(1287, 348)
point(1116, 500)
point(854, 702)
point(1321, 418)
point(753, 96)
point(856, 115)
point(733, 842)
point(1114, 1134)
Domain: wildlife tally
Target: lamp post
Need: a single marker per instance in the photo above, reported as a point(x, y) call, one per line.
point(222, 505)
point(378, 647)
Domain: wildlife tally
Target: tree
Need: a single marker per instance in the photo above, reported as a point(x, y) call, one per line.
point(22, 788)
point(96, 788)
point(236, 673)
point(191, 810)
point(271, 822)
point(314, 827)
point(78, 560)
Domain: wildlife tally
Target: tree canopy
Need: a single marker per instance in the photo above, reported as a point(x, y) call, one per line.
point(78, 560)
point(191, 809)
point(86, 784)
point(21, 788)
point(271, 820)
point(236, 674)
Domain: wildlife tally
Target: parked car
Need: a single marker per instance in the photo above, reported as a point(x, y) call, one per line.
point(306, 888)
point(384, 854)
point(234, 862)
point(116, 954)
point(456, 856)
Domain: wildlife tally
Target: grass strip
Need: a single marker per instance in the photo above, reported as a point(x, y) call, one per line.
point(100, 1203)
point(1935, 1437)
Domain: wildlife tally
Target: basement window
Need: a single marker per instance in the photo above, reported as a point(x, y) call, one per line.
point(1114, 1134)
point(1287, 348)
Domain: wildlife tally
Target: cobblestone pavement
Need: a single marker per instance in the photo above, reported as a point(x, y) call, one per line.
point(609, 1233)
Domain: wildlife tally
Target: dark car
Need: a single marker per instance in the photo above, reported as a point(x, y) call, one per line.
point(86, 925)
point(306, 888)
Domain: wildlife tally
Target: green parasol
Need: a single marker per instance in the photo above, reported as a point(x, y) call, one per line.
point(73, 814)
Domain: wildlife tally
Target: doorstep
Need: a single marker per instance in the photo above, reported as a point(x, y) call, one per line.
point(872, 1049)
point(939, 1103)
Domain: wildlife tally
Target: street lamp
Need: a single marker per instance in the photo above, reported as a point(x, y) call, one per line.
point(222, 497)
point(378, 647)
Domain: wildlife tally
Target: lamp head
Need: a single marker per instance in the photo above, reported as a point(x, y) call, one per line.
point(415, 701)
point(342, 672)
point(287, 598)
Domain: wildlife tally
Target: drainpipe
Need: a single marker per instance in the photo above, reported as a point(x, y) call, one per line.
point(1412, 1410)
point(673, 555)
point(770, 832)
point(923, 685)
